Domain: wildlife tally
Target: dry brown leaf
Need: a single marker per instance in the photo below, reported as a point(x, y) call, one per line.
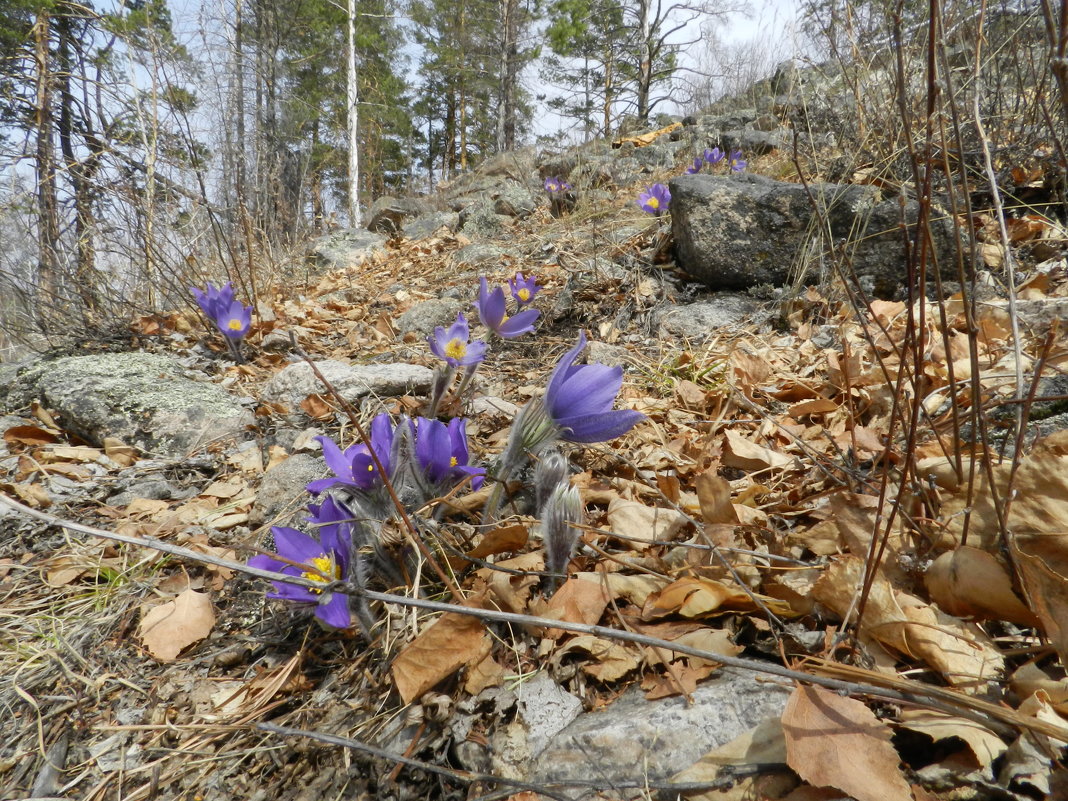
point(634, 588)
point(30, 435)
point(317, 407)
point(747, 455)
point(838, 742)
point(643, 523)
point(487, 673)
point(119, 452)
point(695, 597)
point(252, 696)
point(1043, 564)
point(577, 601)
point(33, 495)
point(505, 539)
point(449, 643)
point(960, 651)
point(1029, 678)
point(612, 660)
point(984, 744)
point(714, 495)
point(971, 583)
point(169, 628)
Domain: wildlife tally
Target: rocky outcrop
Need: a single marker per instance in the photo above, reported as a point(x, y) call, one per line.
point(143, 399)
point(740, 231)
point(348, 248)
point(296, 382)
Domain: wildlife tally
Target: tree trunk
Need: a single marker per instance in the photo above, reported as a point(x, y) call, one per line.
point(47, 204)
point(352, 99)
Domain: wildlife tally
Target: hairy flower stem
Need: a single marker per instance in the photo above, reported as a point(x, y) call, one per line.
point(532, 431)
point(234, 346)
point(465, 381)
point(443, 377)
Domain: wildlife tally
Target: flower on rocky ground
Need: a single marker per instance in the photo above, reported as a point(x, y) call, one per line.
point(714, 156)
point(655, 199)
point(235, 322)
point(354, 467)
point(215, 301)
point(579, 399)
point(453, 345)
point(491, 310)
point(320, 560)
point(695, 168)
point(554, 184)
point(736, 162)
point(442, 451)
point(523, 289)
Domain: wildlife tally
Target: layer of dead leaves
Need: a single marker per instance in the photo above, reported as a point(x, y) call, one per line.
point(759, 509)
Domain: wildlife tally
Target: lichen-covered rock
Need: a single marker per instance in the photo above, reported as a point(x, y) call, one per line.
point(634, 737)
point(282, 495)
point(423, 318)
point(740, 231)
point(426, 224)
point(513, 200)
point(348, 248)
point(388, 214)
point(144, 399)
point(706, 318)
point(296, 382)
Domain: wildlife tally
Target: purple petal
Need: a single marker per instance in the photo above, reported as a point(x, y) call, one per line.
point(490, 305)
point(340, 464)
point(265, 562)
point(588, 389)
point(560, 372)
point(364, 472)
point(293, 592)
point(599, 427)
point(321, 484)
point(521, 323)
point(296, 546)
point(335, 612)
point(457, 429)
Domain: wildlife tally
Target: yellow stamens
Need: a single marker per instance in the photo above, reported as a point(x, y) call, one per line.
point(234, 324)
point(456, 349)
point(523, 294)
point(653, 203)
point(453, 461)
point(326, 569)
point(371, 467)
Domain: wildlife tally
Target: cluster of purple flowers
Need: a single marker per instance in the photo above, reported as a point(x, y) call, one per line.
point(440, 452)
point(554, 184)
point(735, 162)
point(420, 458)
point(231, 316)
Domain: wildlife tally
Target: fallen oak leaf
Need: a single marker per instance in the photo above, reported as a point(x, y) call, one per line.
point(838, 742)
point(449, 643)
point(167, 629)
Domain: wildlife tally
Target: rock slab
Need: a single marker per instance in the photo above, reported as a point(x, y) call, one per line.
point(634, 738)
point(296, 382)
point(143, 399)
point(741, 231)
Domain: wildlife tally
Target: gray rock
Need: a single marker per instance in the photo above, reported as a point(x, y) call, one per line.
point(427, 224)
point(144, 399)
point(612, 355)
point(348, 248)
point(545, 708)
point(388, 214)
point(514, 200)
point(282, 493)
point(481, 220)
point(477, 254)
point(634, 738)
point(157, 489)
point(739, 231)
point(296, 382)
point(698, 321)
point(423, 317)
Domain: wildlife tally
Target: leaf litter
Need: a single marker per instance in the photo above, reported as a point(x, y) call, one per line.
point(747, 508)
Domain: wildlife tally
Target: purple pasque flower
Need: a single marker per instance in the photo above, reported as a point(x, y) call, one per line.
point(453, 345)
point(321, 560)
point(714, 156)
point(491, 310)
point(695, 168)
point(355, 467)
point(655, 199)
point(736, 162)
point(216, 301)
point(235, 321)
point(442, 451)
point(523, 289)
point(552, 184)
point(579, 399)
